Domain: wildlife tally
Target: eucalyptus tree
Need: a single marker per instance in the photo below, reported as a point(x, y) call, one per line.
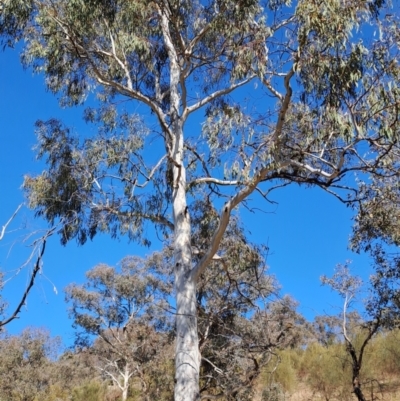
point(382, 309)
point(378, 217)
point(327, 73)
point(26, 363)
point(124, 318)
point(120, 317)
point(348, 287)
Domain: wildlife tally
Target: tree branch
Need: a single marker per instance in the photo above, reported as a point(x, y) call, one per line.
point(284, 107)
point(102, 79)
point(3, 229)
point(211, 180)
point(215, 95)
point(272, 89)
point(225, 215)
point(30, 285)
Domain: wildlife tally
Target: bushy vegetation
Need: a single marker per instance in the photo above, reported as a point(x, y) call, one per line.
point(314, 371)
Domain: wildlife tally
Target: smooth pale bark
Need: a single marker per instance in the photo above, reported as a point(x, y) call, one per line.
point(187, 357)
point(122, 382)
point(126, 376)
point(187, 354)
point(125, 393)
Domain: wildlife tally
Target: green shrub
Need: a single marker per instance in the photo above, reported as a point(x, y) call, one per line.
point(92, 391)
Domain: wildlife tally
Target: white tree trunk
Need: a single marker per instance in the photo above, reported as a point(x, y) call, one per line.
point(187, 354)
point(125, 387)
point(125, 394)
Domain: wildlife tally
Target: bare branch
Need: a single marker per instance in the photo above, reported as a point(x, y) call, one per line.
point(215, 95)
point(313, 170)
point(211, 180)
point(152, 172)
point(217, 369)
point(285, 106)
point(35, 271)
point(225, 215)
point(3, 229)
point(272, 89)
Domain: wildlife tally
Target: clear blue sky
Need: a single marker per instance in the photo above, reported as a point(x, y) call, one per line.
point(307, 231)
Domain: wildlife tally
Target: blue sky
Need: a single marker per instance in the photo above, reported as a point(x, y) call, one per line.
point(307, 231)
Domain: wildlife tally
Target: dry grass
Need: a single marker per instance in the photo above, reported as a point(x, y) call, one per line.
point(387, 390)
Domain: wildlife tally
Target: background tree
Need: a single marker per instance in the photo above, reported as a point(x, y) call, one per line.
point(177, 57)
point(241, 327)
point(377, 219)
point(73, 369)
point(348, 288)
point(242, 319)
point(381, 308)
point(124, 312)
point(326, 329)
point(25, 364)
